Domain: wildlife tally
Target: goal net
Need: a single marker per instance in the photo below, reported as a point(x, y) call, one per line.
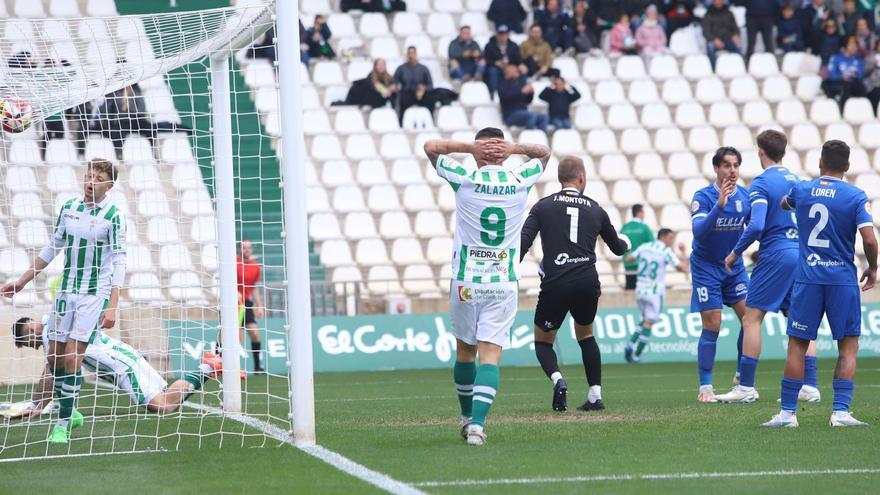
point(137, 90)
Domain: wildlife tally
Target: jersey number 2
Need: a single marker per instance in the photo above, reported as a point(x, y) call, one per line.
point(822, 211)
point(573, 227)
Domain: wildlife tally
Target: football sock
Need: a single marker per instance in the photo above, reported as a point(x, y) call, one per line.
point(463, 374)
point(592, 359)
point(749, 366)
point(69, 393)
point(547, 357)
point(59, 374)
point(198, 378)
point(843, 391)
point(256, 348)
point(739, 351)
point(635, 336)
point(811, 373)
point(643, 340)
point(706, 355)
point(790, 390)
point(485, 388)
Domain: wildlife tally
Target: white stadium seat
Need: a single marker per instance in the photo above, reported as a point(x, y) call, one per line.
point(808, 87)
point(730, 65)
point(643, 92)
point(622, 116)
point(27, 205)
point(162, 230)
point(568, 69)
point(763, 65)
point(383, 120)
point(360, 225)
point(703, 139)
point(186, 288)
point(371, 172)
point(394, 145)
point(349, 121)
point(675, 217)
point(144, 287)
point(613, 166)
point(417, 118)
point(394, 224)
point(824, 112)
point(627, 192)
point(174, 257)
point(336, 173)
point(335, 253)
point(601, 141)
point(486, 116)
point(648, 166)
point(195, 202)
point(669, 140)
point(744, 89)
point(439, 250)
point(405, 172)
point(567, 141)
point(630, 68)
point(776, 88)
point(869, 135)
point(373, 24)
point(635, 140)
point(316, 200)
point(383, 198)
point(327, 73)
point(757, 113)
point(684, 42)
point(406, 23)
point(690, 115)
point(696, 67)
point(588, 117)
point(474, 94)
point(203, 229)
point(429, 224)
point(21, 179)
point(418, 197)
point(609, 93)
point(662, 192)
point(419, 279)
point(348, 199)
point(738, 136)
point(804, 137)
point(597, 69)
point(441, 24)
point(32, 234)
point(683, 165)
point(383, 279)
point(858, 111)
point(655, 115)
point(723, 114)
point(663, 67)
point(710, 90)
point(676, 91)
point(370, 252)
point(452, 118)
point(841, 131)
point(360, 147)
point(791, 112)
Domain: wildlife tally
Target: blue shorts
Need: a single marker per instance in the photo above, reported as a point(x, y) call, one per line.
point(840, 303)
point(713, 285)
point(772, 279)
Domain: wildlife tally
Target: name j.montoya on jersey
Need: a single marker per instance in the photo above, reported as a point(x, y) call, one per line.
point(572, 199)
point(496, 190)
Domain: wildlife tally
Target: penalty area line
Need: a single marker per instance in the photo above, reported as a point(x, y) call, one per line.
point(658, 476)
point(71, 456)
point(338, 461)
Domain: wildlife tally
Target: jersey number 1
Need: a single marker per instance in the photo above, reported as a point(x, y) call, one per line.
point(573, 227)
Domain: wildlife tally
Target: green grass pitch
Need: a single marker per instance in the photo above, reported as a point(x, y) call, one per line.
point(404, 424)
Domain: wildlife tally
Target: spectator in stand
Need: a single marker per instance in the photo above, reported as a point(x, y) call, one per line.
point(413, 82)
point(501, 51)
point(515, 94)
point(845, 73)
point(536, 53)
point(124, 112)
point(865, 38)
point(373, 5)
point(607, 13)
point(829, 41)
point(559, 99)
point(465, 57)
point(375, 90)
point(508, 13)
point(636, 9)
point(872, 82)
point(650, 37)
point(554, 24)
point(265, 48)
point(760, 18)
point(303, 44)
point(790, 33)
point(850, 17)
point(318, 39)
point(585, 34)
point(813, 16)
point(679, 14)
point(720, 31)
point(621, 38)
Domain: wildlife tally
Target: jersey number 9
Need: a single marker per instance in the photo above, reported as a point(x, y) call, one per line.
point(494, 222)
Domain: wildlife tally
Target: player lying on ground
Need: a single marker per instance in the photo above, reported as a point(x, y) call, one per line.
point(829, 213)
point(773, 276)
point(115, 363)
point(569, 224)
point(91, 231)
point(719, 212)
point(490, 205)
point(652, 259)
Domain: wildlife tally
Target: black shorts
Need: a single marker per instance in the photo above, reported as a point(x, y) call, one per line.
point(579, 297)
point(249, 313)
point(630, 281)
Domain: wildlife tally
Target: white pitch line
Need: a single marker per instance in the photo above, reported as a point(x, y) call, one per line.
point(69, 456)
point(338, 461)
point(658, 476)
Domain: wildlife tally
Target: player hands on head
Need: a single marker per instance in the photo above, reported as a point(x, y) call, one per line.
point(570, 224)
point(490, 206)
point(117, 364)
point(719, 212)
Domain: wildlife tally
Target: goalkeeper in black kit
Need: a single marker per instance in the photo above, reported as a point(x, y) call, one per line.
point(569, 224)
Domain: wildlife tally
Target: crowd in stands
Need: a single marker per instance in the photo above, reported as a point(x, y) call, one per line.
point(843, 33)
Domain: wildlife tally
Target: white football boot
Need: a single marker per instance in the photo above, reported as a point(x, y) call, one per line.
point(475, 435)
point(707, 394)
point(784, 419)
point(739, 395)
point(844, 418)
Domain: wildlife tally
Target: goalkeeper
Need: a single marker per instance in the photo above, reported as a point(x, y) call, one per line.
point(115, 363)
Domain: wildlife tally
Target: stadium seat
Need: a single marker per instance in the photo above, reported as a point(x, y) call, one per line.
point(656, 115)
point(675, 217)
point(137, 150)
point(419, 279)
point(446, 199)
point(568, 69)
point(373, 24)
point(348, 199)
point(58, 152)
point(162, 230)
point(422, 42)
point(796, 64)
point(394, 224)
point(869, 135)
point(662, 192)
point(441, 24)
point(101, 8)
point(144, 288)
point(383, 279)
point(349, 121)
point(642, 92)
point(551, 188)
point(601, 141)
point(153, 203)
point(418, 197)
point(859, 163)
point(62, 178)
point(186, 288)
point(824, 112)
point(689, 188)
point(622, 116)
point(359, 225)
point(613, 166)
point(418, 119)
point(27, 205)
point(744, 89)
point(175, 148)
point(684, 42)
point(626, 193)
point(24, 152)
point(452, 118)
point(858, 111)
point(28, 9)
point(203, 229)
point(870, 183)
point(669, 140)
point(597, 190)
point(676, 91)
point(335, 253)
point(588, 117)
point(19, 31)
point(808, 87)
point(757, 113)
point(429, 224)
point(474, 93)
point(341, 24)
point(703, 139)
point(486, 116)
point(383, 198)
point(791, 112)
point(64, 8)
point(567, 141)
point(723, 114)
point(689, 115)
point(406, 251)
point(451, 6)
point(630, 68)
point(316, 200)
point(804, 137)
point(360, 147)
point(405, 172)
point(648, 166)
point(139, 260)
point(478, 23)
point(32, 234)
point(394, 145)
point(383, 120)
point(763, 65)
point(730, 65)
point(682, 165)
point(369, 252)
point(439, 250)
point(696, 67)
point(195, 202)
point(597, 69)
point(406, 24)
point(21, 179)
point(609, 92)
point(174, 257)
point(144, 177)
point(841, 131)
point(336, 173)
point(635, 140)
point(710, 90)
point(327, 73)
point(384, 47)
point(738, 136)
point(776, 88)
point(663, 67)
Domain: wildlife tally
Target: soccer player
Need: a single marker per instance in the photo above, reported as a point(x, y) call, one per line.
point(638, 233)
point(718, 214)
point(829, 213)
point(569, 224)
point(248, 271)
point(91, 230)
point(116, 363)
point(773, 276)
point(651, 259)
point(490, 206)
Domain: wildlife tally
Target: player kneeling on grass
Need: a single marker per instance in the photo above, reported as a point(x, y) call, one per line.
point(116, 363)
point(829, 213)
point(652, 259)
point(490, 206)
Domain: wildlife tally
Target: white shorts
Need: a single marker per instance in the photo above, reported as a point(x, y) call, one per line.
point(483, 312)
point(76, 316)
point(650, 307)
point(142, 383)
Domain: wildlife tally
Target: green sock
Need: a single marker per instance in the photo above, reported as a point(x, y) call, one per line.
point(59, 375)
point(69, 393)
point(463, 374)
point(643, 340)
point(485, 387)
point(634, 337)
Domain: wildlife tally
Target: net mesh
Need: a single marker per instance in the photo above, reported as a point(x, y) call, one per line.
point(136, 90)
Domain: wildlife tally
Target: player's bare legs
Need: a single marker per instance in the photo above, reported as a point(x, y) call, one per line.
point(592, 359)
point(173, 396)
point(544, 340)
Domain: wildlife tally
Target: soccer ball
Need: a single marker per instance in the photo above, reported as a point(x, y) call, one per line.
point(15, 115)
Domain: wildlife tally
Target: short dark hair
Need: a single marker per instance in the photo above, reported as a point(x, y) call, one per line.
point(411, 47)
point(463, 28)
point(636, 209)
point(720, 153)
point(835, 155)
point(663, 232)
point(18, 328)
point(535, 25)
point(773, 143)
point(106, 166)
point(570, 168)
point(489, 133)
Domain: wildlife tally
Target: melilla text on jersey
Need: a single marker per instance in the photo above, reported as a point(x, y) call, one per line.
point(495, 189)
point(729, 223)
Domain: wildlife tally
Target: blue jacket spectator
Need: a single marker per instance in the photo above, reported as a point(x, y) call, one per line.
point(318, 39)
point(500, 51)
point(846, 72)
point(789, 32)
point(507, 12)
point(559, 99)
point(515, 94)
point(554, 23)
point(813, 16)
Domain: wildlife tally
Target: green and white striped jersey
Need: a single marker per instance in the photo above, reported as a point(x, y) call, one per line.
point(653, 258)
point(93, 240)
point(490, 209)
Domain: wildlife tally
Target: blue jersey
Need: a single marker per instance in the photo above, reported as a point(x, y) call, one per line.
point(714, 241)
point(829, 213)
point(780, 226)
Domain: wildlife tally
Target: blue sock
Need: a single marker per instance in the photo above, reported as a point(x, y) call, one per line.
point(790, 390)
point(739, 352)
point(748, 366)
point(843, 390)
point(706, 355)
point(811, 371)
